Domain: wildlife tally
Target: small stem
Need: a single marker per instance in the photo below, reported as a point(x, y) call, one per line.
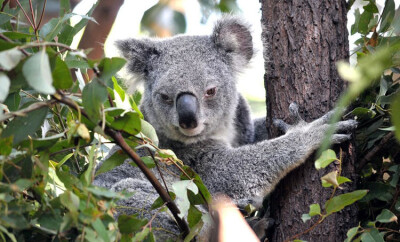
point(389, 230)
point(61, 121)
point(42, 44)
point(2, 36)
point(4, 5)
point(153, 217)
point(31, 96)
point(71, 148)
point(158, 168)
point(26, 15)
point(41, 15)
point(33, 16)
point(306, 231)
point(24, 111)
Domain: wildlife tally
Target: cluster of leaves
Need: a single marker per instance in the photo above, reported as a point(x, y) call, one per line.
point(374, 90)
point(378, 111)
point(334, 203)
point(55, 126)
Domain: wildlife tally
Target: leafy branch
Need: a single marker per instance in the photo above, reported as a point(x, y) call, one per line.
point(119, 140)
point(334, 203)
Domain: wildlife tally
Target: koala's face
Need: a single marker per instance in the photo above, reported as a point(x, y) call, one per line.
point(190, 93)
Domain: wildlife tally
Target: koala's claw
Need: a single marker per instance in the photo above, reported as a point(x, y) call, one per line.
point(340, 138)
point(281, 125)
point(347, 125)
point(294, 113)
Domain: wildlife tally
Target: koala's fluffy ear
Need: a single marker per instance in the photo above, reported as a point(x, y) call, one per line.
point(233, 36)
point(139, 53)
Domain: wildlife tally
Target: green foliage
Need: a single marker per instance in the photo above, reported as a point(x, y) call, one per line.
point(326, 158)
point(374, 93)
point(52, 135)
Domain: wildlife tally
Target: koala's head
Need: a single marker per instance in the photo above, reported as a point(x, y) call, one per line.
point(190, 93)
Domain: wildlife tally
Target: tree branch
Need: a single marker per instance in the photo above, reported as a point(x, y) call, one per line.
point(119, 140)
point(26, 15)
point(24, 111)
point(367, 158)
point(2, 36)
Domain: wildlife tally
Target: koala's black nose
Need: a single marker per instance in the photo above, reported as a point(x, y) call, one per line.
point(187, 106)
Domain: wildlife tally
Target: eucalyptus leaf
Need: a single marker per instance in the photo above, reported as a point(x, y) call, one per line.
point(159, 202)
point(339, 202)
point(396, 115)
point(10, 58)
point(70, 201)
point(305, 217)
point(148, 130)
point(387, 15)
point(386, 216)
point(101, 230)
point(4, 86)
point(10, 235)
point(61, 75)
point(372, 235)
point(182, 201)
point(109, 67)
point(351, 233)
point(141, 235)
point(365, 18)
point(130, 123)
point(325, 159)
point(130, 224)
point(113, 161)
point(94, 94)
point(37, 73)
point(315, 209)
point(21, 127)
point(194, 216)
point(147, 160)
point(118, 88)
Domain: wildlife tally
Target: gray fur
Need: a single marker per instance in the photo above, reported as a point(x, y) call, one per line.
point(229, 151)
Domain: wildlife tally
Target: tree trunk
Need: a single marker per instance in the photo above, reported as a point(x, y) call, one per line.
point(302, 42)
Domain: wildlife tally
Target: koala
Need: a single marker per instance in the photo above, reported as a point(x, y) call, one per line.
point(190, 98)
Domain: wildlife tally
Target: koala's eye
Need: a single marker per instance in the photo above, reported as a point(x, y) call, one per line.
point(166, 98)
point(211, 92)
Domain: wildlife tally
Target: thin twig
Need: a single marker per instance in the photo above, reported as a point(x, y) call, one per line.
point(41, 44)
point(153, 217)
point(158, 168)
point(61, 121)
point(306, 231)
point(24, 111)
point(4, 5)
point(72, 148)
point(26, 15)
point(2, 36)
point(41, 15)
point(33, 15)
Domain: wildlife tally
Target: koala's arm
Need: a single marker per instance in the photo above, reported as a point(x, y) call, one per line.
point(251, 171)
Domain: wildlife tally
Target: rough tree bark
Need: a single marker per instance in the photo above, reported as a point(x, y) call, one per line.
point(303, 39)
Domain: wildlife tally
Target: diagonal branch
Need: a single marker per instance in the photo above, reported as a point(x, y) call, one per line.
point(26, 15)
point(119, 140)
point(367, 158)
point(23, 112)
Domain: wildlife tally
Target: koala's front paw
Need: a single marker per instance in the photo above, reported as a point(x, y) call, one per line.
point(319, 126)
point(294, 115)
